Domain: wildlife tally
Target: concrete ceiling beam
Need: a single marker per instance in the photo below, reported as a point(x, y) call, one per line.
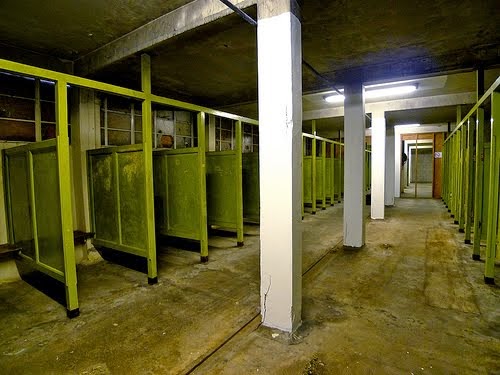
point(41, 60)
point(399, 105)
point(454, 61)
point(185, 18)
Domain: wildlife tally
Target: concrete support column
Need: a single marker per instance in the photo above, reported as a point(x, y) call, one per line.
point(398, 163)
point(354, 167)
point(85, 134)
point(280, 154)
point(378, 165)
point(390, 166)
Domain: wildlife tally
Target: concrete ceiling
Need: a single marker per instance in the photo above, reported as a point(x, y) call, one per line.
point(216, 64)
point(68, 29)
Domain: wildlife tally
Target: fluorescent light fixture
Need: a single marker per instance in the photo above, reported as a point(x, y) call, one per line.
point(407, 125)
point(335, 98)
point(373, 92)
point(390, 91)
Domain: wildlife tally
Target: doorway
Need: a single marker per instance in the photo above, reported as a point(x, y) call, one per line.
point(421, 167)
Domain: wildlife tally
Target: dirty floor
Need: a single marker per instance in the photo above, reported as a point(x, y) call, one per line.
point(411, 301)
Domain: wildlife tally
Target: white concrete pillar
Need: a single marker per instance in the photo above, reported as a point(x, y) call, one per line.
point(390, 166)
point(378, 165)
point(280, 154)
point(399, 168)
point(354, 170)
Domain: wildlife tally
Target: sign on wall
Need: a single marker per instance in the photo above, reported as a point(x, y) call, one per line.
point(438, 155)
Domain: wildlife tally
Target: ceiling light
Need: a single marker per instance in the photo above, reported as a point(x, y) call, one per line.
point(389, 91)
point(335, 98)
point(373, 92)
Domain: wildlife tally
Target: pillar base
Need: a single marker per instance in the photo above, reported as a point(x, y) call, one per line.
point(455, 222)
point(460, 230)
point(204, 259)
point(489, 280)
point(72, 313)
point(352, 248)
point(152, 280)
point(467, 242)
point(476, 257)
point(314, 212)
point(239, 244)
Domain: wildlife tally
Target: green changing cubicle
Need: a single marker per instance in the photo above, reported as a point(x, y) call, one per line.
point(180, 191)
point(117, 195)
point(321, 172)
point(225, 186)
point(196, 188)
point(233, 179)
point(37, 224)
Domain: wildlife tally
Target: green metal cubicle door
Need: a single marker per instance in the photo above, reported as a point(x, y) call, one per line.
point(222, 189)
point(251, 188)
point(319, 179)
point(19, 211)
point(177, 193)
point(307, 179)
point(35, 223)
point(117, 185)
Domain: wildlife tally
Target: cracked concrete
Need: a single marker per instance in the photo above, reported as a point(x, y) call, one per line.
point(410, 301)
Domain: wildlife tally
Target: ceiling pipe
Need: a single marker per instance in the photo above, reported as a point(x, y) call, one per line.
point(252, 22)
point(242, 14)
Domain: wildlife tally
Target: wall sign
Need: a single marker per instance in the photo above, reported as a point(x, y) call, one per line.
point(438, 155)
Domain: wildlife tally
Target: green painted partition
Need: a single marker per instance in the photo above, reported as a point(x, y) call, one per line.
point(307, 179)
point(224, 191)
point(319, 179)
point(117, 195)
point(34, 215)
point(180, 197)
point(342, 170)
point(251, 187)
point(329, 180)
point(486, 190)
point(339, 180)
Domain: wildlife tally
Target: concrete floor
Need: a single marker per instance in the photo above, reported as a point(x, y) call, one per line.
point(410, 301)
